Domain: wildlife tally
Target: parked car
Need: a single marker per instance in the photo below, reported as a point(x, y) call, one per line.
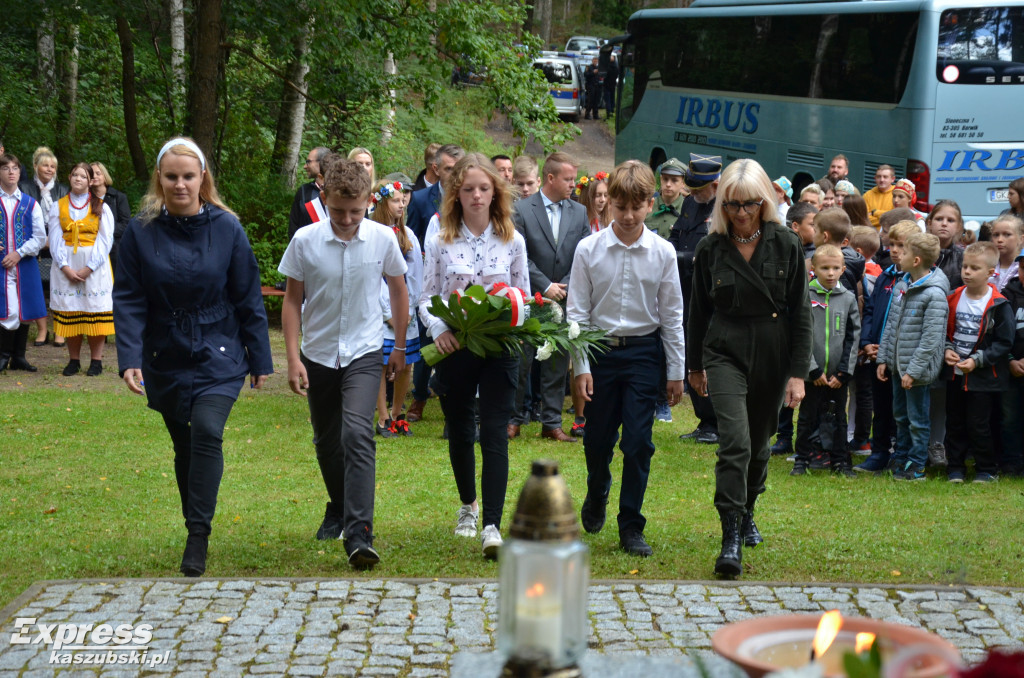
point(565, 83)
point(579, 43)
point(466, 73)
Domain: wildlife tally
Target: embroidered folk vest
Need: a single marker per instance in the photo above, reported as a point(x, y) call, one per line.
point(22, 224)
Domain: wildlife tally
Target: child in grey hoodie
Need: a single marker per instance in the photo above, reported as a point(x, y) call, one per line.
point(836, 336)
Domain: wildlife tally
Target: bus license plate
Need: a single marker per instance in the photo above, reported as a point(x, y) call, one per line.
point(999, 195)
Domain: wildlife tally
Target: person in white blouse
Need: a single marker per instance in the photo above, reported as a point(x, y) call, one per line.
point(22, 236)
point(625, 280)
point(477, 244)
point(81, 231)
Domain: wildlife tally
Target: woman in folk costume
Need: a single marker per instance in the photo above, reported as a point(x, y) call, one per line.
point(22, 235)
point(81, 230)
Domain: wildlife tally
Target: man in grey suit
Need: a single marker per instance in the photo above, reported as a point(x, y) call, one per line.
point(552, 225)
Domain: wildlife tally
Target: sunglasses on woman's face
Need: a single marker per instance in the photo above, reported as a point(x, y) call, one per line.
point(750, 206)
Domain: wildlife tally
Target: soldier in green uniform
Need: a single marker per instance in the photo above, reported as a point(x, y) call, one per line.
point(668, 203)
point(749, 342)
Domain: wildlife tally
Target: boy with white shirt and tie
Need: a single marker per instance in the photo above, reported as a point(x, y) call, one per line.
point(625, 280)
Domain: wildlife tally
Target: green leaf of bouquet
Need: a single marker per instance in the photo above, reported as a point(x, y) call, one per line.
point(475, 345)
point(476, 291)
point(431, 355)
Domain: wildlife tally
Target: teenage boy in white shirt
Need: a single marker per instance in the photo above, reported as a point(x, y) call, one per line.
point(337, 264)
point(625, 280)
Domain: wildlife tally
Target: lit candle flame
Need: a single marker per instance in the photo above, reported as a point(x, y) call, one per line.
point(828, 629)
point(535, 591)
point(864, 642)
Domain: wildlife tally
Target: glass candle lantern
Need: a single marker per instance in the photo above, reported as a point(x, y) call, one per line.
point(545, 572)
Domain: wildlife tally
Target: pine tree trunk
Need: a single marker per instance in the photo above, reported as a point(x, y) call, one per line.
point(131, 123)
point(46, 55)
point(542, 20)
point(67, 97)
point(292, 118)
point(207, 75)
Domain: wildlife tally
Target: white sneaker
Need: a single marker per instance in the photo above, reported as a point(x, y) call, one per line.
point(491, 540)
point(465, 526)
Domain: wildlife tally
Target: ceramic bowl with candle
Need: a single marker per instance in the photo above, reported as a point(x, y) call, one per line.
point(762, 645)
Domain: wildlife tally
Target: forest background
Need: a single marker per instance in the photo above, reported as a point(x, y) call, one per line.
point(258, 83)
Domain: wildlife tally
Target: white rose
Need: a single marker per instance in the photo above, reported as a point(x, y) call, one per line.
point(556, 312)
point(545, 351)
point(574, 329)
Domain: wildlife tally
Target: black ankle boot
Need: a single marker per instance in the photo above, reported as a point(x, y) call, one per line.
point(73, 368)
point(748, 529)
point(730, 560)
point(193, 561)
point(95, 368)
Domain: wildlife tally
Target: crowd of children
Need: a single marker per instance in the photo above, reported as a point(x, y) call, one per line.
point(926, 327)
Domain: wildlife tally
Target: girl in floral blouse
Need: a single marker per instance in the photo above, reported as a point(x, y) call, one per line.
point(592, 193)
point(477, 244)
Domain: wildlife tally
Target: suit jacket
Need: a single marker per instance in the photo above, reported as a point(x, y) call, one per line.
point(118, 204)
point(547, 261)
point(423, 205)
point(299, 217)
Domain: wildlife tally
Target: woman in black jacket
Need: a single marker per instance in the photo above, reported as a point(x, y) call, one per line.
point(190, 325)
point(116, 201)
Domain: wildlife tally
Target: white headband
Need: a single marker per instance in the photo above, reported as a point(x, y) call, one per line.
point(191, 145)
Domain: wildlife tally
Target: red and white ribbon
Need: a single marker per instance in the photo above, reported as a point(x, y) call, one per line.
point(518, 299)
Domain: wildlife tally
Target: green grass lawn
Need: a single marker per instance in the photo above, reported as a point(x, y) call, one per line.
point(87, 490)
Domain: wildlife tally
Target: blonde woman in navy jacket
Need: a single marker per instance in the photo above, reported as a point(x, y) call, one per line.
point(190, 324)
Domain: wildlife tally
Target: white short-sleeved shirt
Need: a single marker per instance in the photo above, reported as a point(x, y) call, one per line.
point(341, 319)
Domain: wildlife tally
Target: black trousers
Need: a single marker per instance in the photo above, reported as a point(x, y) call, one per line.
point(199, 459)
point(820, 402)
point(625, 392)
point(864, 377)
point(458, 377)
point(968, 427)
point(883, 424)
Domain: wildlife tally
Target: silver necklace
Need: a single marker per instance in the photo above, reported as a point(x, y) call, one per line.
point(757, 234)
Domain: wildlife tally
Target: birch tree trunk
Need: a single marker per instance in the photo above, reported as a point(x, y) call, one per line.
point(389, 124)
point(46, 55)
point(176, 14)
point(292, 117)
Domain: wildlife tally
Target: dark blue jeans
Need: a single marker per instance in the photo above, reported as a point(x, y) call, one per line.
point(199, 459)
point(910, 409)
point(625, 391)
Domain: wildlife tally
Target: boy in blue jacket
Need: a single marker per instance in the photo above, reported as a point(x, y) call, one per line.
point(979, 335)
point(874, 315)
point(911, 350)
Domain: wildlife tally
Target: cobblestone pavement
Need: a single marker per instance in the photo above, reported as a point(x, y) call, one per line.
point(413, 628)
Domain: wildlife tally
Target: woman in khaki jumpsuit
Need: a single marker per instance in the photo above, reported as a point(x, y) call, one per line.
point(750, 342)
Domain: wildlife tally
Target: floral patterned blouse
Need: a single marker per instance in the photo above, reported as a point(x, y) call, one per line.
point(470, 260)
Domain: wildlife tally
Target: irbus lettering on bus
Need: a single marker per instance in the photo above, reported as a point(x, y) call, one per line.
point(1010, 159)
point(711, 113)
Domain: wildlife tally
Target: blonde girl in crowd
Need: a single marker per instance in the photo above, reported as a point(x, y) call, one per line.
point(592, 193)
point(477, 244)
point(389, 209)
point(81, 232)
point(363, 157)
point(46, 189)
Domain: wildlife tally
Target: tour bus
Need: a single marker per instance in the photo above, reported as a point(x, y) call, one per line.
point(934, 88)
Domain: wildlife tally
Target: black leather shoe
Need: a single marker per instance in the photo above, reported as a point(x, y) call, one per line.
point(634, 544)
point(782, 446)
point(748, 528)
point(593, 513)
point(691, 435)
point(730, 561)
point(73, 368)
point(95, 368)
point(19, 363)
point(193, 561)
point(331, 528)
point(708, 437)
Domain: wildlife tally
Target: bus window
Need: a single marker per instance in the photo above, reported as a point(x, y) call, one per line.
point(851, 57)
point(981, 46)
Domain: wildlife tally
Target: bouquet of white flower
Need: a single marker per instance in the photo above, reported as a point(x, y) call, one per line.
point(505, 319)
